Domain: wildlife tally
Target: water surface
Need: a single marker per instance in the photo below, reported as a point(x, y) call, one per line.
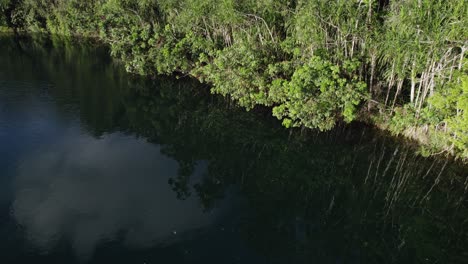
point(97, 166)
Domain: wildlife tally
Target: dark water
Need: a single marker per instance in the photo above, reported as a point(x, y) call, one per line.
point(97, 166)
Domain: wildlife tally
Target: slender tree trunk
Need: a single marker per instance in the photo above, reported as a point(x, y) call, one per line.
point(369, 12)
point(421, 81)
point(399, 86)
point(413, 82)
point(371, 82)
point(460, 64)
point(427, 86)
point(390, 83)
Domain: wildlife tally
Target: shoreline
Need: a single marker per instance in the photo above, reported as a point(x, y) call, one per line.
point(423, 139)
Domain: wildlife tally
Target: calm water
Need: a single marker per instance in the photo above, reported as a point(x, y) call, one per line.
point(97, 166)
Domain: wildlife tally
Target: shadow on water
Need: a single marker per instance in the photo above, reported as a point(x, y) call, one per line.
point(350, 195)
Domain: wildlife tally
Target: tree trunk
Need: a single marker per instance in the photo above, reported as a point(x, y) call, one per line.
point(460, 65)
point(371, 82)
point(413, 82)
point(399, 86)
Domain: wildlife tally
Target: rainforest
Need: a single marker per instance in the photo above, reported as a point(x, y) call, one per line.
point(400, 65)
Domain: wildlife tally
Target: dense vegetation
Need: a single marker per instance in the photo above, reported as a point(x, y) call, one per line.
point(346, 194)
point(400, 64)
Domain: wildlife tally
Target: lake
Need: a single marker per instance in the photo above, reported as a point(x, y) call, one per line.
point(99, 166)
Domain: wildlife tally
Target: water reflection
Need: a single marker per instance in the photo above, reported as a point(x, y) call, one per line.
point(71, 177)
point(86, 190)
point(351, 195)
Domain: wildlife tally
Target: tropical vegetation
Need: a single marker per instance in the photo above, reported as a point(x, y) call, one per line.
point(401, 65)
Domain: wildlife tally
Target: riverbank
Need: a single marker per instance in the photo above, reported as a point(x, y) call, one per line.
point(313, 64)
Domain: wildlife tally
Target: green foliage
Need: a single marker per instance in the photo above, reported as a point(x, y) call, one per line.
point(72, 18)
point(4, 4)
point(451, 105)
point(318, 93)
point(240, 72)
point(403, 118)
point(31, 15)
point(335, 27)
point(315, 62)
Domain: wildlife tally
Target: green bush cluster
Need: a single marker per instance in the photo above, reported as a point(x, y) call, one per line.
point(3, 12)
point(451, 107)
